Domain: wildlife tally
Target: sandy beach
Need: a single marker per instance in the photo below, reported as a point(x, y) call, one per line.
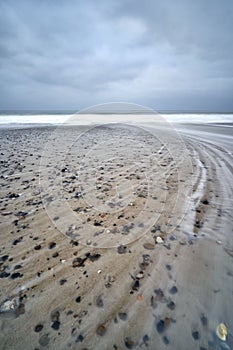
point(116, 237)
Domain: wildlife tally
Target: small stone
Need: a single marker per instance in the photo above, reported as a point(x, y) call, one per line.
point(78, 299)
point(205, 201)
point(99, 301)
point(129, 343)
point(56, 325)
point(55, 315)
point(122, 249)
point(159, 240)
point(140, 275)
point(44, 340)
point(173, 290)
point(123, 316)
point(196, 335)
point(38, 328)
point(52, 245)
point(62, 281)
point(171, 305)
point(149, 246)
point(101, 330)
point(136, 285)
point(221, 331)
point(16, 275)
point(160, 326)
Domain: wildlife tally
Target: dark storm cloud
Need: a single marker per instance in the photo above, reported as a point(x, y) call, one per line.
point(71, 54)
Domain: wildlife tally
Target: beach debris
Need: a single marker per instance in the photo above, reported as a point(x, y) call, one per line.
point(221, 331)
point(159, 240)
point(160, 295)
point(149, 246)
point(101, 329)
point(139, 297)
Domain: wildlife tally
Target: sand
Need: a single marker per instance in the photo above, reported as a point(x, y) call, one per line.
point(116, 237)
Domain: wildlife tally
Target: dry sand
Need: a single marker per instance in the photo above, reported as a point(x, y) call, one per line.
point(121, 240)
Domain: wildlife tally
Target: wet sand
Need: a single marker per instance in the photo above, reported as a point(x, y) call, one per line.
point(115, 247)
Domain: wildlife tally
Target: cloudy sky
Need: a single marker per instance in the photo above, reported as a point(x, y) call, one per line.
point(70, 54)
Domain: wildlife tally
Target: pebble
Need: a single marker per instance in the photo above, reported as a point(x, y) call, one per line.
point(55, 315)
point(173, 290)
point(149, 246)
point(160, 326)
point(140, 275)
point(101, 330)
point(159, 240)
point(38, 328)
point(44, 340)
point(171, 305)
point(123, 316)
point(129, 343)
point(122, 249)
point(196, 335)
point(56, 325)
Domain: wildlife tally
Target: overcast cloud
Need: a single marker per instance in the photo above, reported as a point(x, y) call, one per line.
point(67, 54)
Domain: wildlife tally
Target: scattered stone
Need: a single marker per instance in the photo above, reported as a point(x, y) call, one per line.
point(149, 246)
point(55, 315)
point(146, 339)
point(101, 330)
point(129, 343)
point(171, 305)
point(122, 249)
point(44, 340)
point(160, 295)
point(9, 305)
point(79, 338)
point(52, 245)
point(78, 299)
point(135, 285)
point(221, 331)
point(37, 247)
point(168, 267)
point(4, 258)
point(160, 326)
point(38, 328)
point(205, 201)
point(16, 275)
point(159, 240)
point(99, 301)
point(173, 290)
point(123, 316)
point(140, 275)
point(196, 335)
point(56, 325)
point(62, 281)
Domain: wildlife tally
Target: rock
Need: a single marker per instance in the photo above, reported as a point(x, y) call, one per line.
point(52, 245)
point(221, 331)
point(55, 315)
point(149, 246)
point(205, 201)
point(159, 240)
point(56, 325)
point(196, 335)
point(140, 275)
point(171, 305)
point(129, 343)
point(78, 299)
point(122, 249)
point(38, 328)
point(123, 316)
point(99, 301)
point(173, 290)
point(9, 305)
point(136, 285)
point(160, 326)
point(44, 340)
point(101, 330)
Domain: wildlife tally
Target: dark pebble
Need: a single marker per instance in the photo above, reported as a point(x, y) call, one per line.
point(17, 267)
point(205, 201)
point(196, 335)
point(171, 305)
point(4, 274)
point(78, 299)
point(62, 281)
point(4, 258)
point(56, 325)
point(37, 247)
point(168, 267)
point(173, 290)
point(52, 245)
point(165, 340)
point(160, 326)
point(38, 328)
point(94, 257)
point(55, 255)
point(146, 339)
point(79, 338)
point(129, 343)
point(99, 301)
point(204, 320)
point(16, 275)
point(136, 285)
point(123, 316)
point(122, 249)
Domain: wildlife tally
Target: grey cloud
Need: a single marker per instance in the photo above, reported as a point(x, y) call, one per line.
point(170, 55)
